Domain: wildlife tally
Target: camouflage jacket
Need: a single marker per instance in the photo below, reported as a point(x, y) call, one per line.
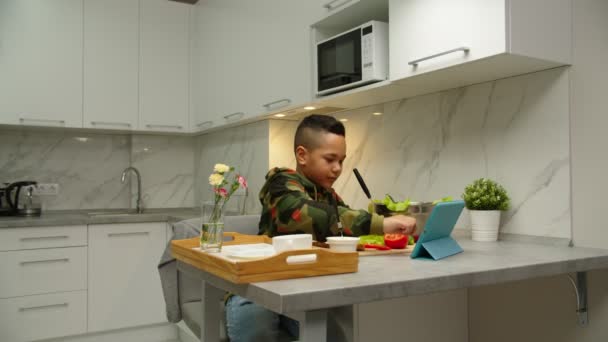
point(293, 204)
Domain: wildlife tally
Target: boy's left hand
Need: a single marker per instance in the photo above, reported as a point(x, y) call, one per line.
point(399, 224)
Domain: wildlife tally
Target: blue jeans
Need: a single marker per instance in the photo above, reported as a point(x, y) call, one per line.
point(249, 322)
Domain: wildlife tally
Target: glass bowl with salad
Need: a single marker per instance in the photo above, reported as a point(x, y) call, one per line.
point(416, 209)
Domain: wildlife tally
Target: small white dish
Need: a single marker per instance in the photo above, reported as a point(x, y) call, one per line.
point(250, 251)
point(252, 254)
point(343, 243)
point(291, 242)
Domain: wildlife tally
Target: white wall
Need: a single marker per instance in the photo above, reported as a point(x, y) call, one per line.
point(589, 123)
point(544, 309)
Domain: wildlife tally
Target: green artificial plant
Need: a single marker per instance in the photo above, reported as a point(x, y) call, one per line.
point(485, 194)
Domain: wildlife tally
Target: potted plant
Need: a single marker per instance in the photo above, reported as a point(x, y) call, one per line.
point(485, 200)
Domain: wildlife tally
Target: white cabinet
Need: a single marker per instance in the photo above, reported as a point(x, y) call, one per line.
point(41, 46)
point(250, 58)
point(421, 29)
point(111, 60)
point(43, 287)
point(40, 271)
point(42, 237)
point(164, 66)
point(43, 316)
point(430, 35)
point(436, 45)
point(124, 286)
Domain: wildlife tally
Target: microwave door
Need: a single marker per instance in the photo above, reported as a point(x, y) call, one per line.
point(339, 61)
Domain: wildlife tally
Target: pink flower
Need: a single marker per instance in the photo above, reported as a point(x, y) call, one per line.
point(242, 181)
point(221, 191)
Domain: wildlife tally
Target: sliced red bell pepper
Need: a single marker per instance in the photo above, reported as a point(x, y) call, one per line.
point(378, 247)
point(395, 241)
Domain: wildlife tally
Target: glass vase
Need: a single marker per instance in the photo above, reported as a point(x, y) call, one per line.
point(212, 228)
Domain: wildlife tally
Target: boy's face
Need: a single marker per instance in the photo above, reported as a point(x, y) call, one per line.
point(323, 164)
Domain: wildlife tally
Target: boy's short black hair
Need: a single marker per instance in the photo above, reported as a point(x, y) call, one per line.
point(314, 124)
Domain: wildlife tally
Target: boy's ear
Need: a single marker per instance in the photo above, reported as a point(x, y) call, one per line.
point(301, 155)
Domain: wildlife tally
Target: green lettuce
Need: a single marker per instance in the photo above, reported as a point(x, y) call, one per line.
point(445, 199)
point(392, 205)
point(372, 239)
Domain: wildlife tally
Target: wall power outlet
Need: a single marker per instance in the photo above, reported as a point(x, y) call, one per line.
point(47, 189)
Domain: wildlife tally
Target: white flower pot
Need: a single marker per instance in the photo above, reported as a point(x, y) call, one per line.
point(485, 224)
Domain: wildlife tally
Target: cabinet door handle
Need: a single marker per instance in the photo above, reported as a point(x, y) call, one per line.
point(23, 263)
point(204, 123)
point(330, 7)
point(128, 234)
point(271, 104)
point(165, 126)
point(109, 123)
point(24, 120)
point(44, 307)
point(44, 238)
point(236, 116)
point(416, 61)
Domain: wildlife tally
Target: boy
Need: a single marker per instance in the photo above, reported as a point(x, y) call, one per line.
point(303, 201)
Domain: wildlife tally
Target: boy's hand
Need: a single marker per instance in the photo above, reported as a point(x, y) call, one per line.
point(399, 224)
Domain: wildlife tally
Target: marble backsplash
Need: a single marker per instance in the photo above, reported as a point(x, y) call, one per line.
point(167, 167)
point(246, 148)
point(88, 167)
point(514, 130)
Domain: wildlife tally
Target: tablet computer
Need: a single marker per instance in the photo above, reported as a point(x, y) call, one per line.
point(435, 241)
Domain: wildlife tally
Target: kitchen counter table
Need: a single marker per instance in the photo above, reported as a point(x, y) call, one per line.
point(99, 216)
point(315, 301)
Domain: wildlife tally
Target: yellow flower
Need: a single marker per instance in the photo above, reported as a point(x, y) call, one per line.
point(221, 168)
point(216, 179)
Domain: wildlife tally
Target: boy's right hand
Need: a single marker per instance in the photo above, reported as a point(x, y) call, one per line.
point(399, 224)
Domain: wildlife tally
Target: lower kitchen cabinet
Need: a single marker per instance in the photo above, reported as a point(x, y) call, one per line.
point(44, 316)
point(37, 271)
point(123, 286)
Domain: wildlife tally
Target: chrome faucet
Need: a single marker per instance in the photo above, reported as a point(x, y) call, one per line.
point(122, 179)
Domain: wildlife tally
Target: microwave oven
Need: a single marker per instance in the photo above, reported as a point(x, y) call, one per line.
point(352, 59)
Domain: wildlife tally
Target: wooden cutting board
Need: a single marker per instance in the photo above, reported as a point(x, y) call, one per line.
point(371, 251)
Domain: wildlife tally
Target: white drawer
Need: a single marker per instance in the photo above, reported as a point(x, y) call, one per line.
point(13, 239)
point(42, 271)
point(44, 316)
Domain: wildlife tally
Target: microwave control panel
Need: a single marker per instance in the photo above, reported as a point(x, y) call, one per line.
point(367, 47)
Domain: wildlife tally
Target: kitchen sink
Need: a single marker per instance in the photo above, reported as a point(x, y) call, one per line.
point(113, 213)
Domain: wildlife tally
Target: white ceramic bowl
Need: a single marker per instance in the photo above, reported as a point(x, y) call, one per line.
point(343, 243)
point(293, 241)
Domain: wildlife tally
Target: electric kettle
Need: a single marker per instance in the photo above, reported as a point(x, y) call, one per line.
point(22, 200)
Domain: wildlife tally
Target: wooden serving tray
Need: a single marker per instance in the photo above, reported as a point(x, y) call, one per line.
point(275, 267)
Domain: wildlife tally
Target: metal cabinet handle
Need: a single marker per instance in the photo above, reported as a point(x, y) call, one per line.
point(109, 123)
point(44, 307)
point(416, 61)
point(44, 261)
point(236, 115)
point(128, 234)
point(330, 7)
point(271, 104)
point(24, 119)
point(165, 126)
point(44, 237)
point(204, 123)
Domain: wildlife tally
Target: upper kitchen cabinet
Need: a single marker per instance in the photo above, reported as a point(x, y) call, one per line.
point(250, 58)
point(163, 66)
point(111, 53)
point(467, 41)
point(338, 16)
point(41, 44)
